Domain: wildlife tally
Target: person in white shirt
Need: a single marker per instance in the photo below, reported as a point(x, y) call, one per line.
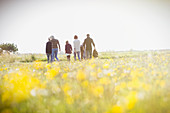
point(76, 44)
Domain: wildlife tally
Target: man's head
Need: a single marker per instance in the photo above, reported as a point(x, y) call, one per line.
point(51, 37)
point(75, 37)
point(67, 42)
point(88, 35)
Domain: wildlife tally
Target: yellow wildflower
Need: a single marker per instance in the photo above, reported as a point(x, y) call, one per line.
point(52, 73)
point(104, 81)
point(85, 83)
point(66, 88)
point(64, 76)
point(106, 66)
point(116, 109)
point(48, 66)
point(18, 87)
point(131, 100)
point(80, 75)
point(98, 91)
point(38, 65)
point(69, 100)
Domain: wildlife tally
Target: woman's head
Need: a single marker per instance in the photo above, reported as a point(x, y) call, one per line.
point(75, 37)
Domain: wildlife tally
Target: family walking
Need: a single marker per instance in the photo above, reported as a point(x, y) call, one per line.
point(85, 50)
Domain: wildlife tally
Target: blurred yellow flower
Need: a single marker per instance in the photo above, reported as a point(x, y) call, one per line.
point(104, 81)
point(18, 87)
point(80, 75)
point(93, 66)
point(131, 100)
point(135, 73)
point(99, 70)
point(69, 100)
point(109, 74)
point(116, 109)
point(106, 66)
point(162, 83)
point(50, 74)
point(66, 88)
point(64, 76)
point(85, 84)
point(38, 65)
point(98, 91)
point(48, 66)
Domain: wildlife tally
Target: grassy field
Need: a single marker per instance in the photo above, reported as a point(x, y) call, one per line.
point(116, 82)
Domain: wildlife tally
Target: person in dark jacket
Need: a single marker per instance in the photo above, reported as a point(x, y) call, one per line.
point(68, 50)
point(87, 44)
point(49, 50)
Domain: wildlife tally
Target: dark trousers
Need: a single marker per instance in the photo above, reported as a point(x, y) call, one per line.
point(49, 56)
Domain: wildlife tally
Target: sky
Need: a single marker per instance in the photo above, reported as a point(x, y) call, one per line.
point(114, 25)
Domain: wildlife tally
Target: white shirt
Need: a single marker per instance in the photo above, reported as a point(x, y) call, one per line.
point(76, 44)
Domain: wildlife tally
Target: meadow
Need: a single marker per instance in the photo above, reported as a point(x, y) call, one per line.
point(116, 82)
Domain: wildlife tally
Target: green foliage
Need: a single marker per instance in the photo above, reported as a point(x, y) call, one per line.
point(9, 47)
point(1, 51)
point(33, 58)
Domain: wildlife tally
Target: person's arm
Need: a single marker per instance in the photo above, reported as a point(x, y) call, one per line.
point(59, 45)
point(84, 43)
point(65, 48)
point(71, 48)
point(93, 43)
point(74, 44)
point(46, 47)
point(79, 44)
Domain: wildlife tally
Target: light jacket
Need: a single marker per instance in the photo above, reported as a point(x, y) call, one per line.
point(76, 44)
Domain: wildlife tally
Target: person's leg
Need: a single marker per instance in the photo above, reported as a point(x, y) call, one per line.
point(78, 54)
point(81, 54)
point(87, 54)
point(84, 55)
point(68, 58)
point(74, 55)
point(52, 56)
point(56, 52)
point(90, 52)
point(48, 57)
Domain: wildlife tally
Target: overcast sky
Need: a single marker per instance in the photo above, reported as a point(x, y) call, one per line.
point(113, 24)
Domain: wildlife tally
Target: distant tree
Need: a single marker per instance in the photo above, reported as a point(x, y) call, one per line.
point(9, 47)
point(1, 51)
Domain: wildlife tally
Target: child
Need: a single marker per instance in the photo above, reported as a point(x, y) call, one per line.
point(82, 50)
point(68, 50)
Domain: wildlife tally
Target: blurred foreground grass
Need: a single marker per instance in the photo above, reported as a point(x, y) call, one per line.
point(116, 82)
